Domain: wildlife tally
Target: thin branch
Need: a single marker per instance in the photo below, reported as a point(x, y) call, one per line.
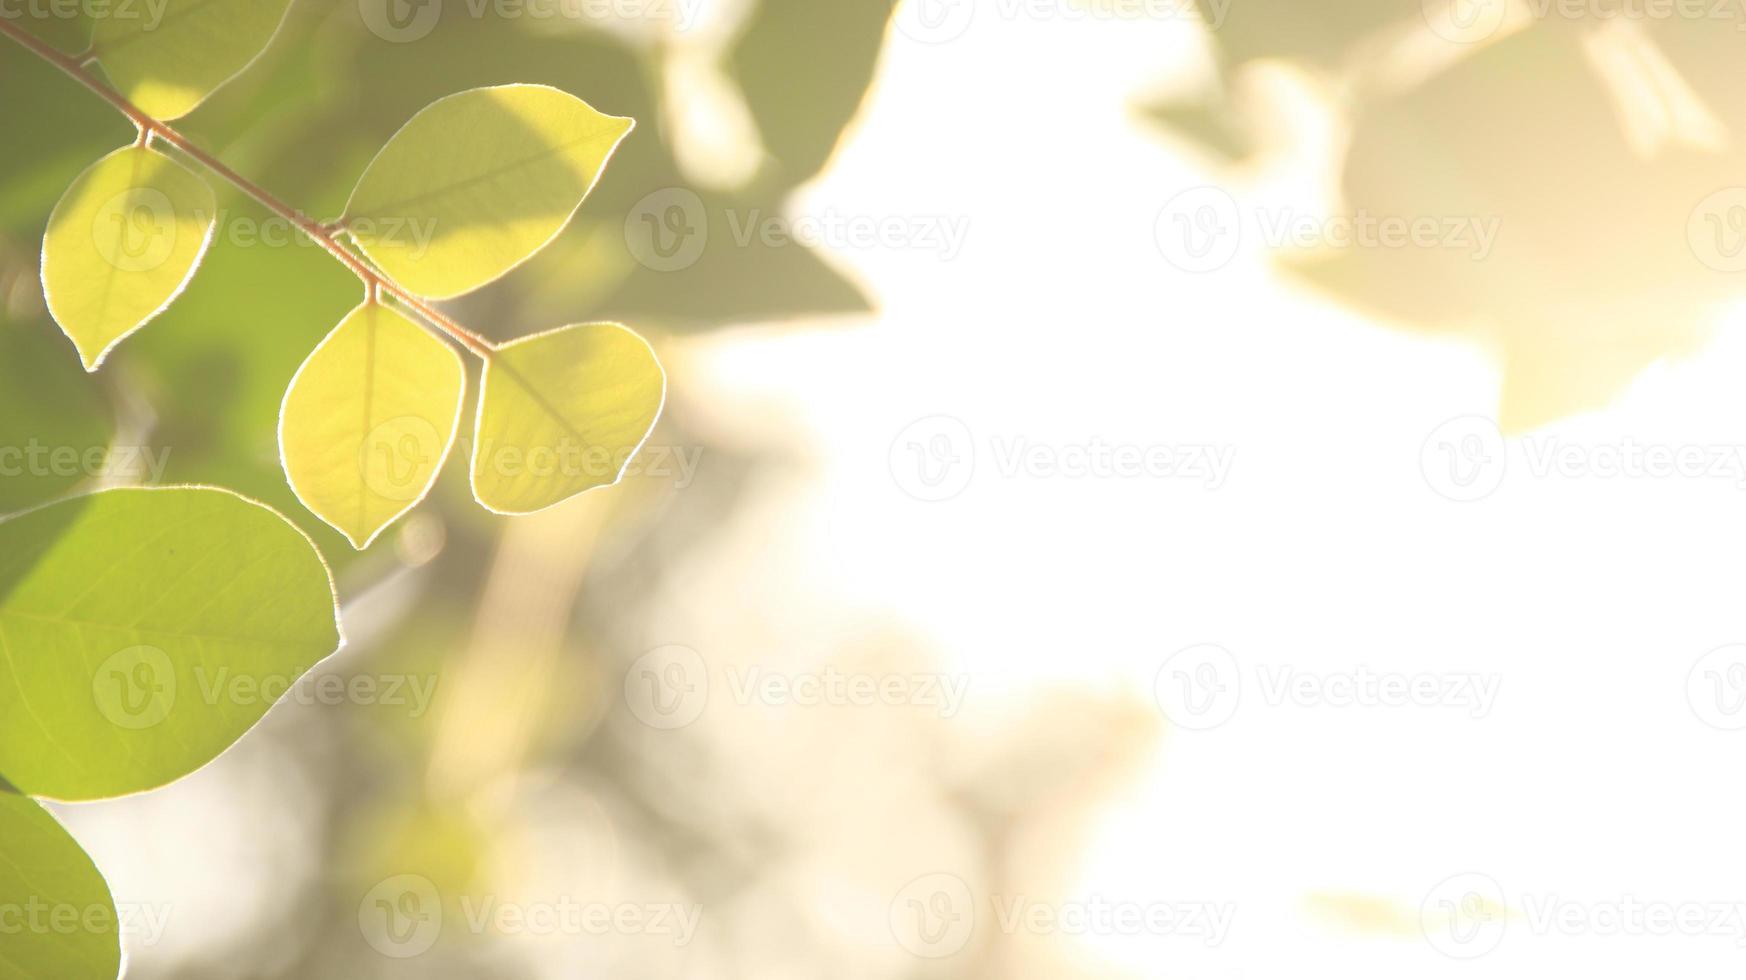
point(316, 232)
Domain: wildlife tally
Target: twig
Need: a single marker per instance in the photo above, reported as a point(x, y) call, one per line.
point(321, 235)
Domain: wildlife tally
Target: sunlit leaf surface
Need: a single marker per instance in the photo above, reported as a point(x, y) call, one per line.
point(144, 631)
point(122, 242)
point(61, 920)
point(168, 56)
point(477, 182)
point(369, 420)
point(563, 412)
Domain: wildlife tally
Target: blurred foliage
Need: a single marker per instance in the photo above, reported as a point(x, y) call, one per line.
point(46, 404)
point(205, 380)
point(306, 118)
point(1592, 164)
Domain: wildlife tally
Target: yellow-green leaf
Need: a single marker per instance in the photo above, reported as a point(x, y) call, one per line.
point(369, 419)
point(57, 918)
point(477, 182)
point(563, 412)
point(122, 242)
point(142, 631)
point(167, 56)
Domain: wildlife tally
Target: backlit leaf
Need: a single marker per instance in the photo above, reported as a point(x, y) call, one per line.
point(477, 182)
point(169, 55)
point(122, 242)
point(60, 920)
point(142, 631)
point(369, 419)
point(563, 412)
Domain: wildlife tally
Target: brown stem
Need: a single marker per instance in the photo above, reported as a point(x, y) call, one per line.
point(317, 233)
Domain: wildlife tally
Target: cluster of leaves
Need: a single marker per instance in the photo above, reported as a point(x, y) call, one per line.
point(113, 605)
point(490, 176)
point(307, 117)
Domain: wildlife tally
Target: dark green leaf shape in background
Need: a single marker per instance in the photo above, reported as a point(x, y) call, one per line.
point(143, 631)
point(53, 418)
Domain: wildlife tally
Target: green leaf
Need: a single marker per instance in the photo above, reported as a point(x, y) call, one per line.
point(54, 422)
point(60, 920)
point(122, 242)
point(142, 631)
point(562, 412)
point(168, 56)
point(216, 390)
point(369, 419)
point(477, 182)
